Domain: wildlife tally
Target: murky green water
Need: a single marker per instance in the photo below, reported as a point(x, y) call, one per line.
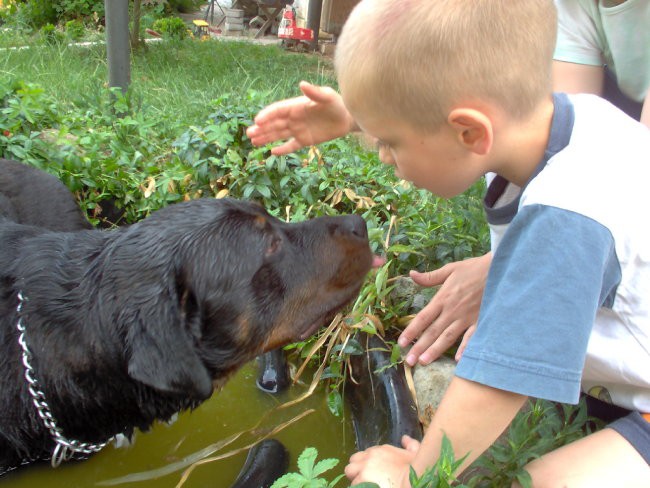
point(238, 407)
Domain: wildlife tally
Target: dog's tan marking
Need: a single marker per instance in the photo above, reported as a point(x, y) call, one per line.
point(260, 222)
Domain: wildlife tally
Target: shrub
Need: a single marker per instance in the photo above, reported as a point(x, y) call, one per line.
point(184, 6)
point(75, 29)
point(37, 13)
point(51, 35)
point(171, 27)
point(78, 9)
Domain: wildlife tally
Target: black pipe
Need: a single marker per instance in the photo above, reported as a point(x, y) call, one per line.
point(265, 463)
point(273, 376)
point(313, 20)
point(117, 43)
point(382, 407)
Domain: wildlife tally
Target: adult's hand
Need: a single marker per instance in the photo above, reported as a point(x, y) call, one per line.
point(451, 311)
point(317, 116)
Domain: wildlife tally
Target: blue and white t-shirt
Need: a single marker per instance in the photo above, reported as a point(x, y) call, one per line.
point(567, 300)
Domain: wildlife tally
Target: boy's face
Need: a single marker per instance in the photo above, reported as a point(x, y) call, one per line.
point(434, 161)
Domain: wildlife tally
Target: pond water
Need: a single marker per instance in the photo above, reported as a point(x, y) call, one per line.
point(238, 407)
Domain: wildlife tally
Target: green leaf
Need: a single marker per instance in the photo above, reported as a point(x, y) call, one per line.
point(324, 465)
point(524, 479)
point(395, 353)
point(335, 481)
point(306, 461)
point(264, 191)
point(289, 480)
point(397, 248)
point(353, 348)
point(335, 403)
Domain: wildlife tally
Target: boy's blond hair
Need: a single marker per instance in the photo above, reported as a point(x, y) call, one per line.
point(415, 59)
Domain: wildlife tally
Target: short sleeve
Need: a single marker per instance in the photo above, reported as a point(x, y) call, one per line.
point(578, 39)
point(552, 271)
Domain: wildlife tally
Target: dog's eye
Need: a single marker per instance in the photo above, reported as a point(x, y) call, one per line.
point(274, 246)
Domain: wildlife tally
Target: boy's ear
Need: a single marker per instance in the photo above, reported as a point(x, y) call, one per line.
point(473, 129)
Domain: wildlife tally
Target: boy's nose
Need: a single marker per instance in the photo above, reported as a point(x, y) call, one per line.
point(386, 155)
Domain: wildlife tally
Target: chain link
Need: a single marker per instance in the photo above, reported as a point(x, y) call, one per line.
point(11, 468)
point(64, 449)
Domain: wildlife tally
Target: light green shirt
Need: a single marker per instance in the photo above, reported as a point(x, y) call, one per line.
point(589, 32)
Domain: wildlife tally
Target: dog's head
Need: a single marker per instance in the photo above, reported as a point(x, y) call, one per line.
point(217, 282)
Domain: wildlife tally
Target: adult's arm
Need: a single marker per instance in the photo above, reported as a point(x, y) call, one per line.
point(645, 113)
point(578, 78)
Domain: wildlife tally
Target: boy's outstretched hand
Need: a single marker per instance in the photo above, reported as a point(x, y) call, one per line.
point(317, 116)
point(386, 465)
point(451, 311)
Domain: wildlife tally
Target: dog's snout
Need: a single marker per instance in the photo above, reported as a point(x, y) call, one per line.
point(352, 226)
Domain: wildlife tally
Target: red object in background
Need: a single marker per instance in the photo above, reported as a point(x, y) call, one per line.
point(290, 33)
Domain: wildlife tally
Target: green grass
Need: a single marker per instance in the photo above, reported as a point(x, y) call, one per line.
point(175, 81)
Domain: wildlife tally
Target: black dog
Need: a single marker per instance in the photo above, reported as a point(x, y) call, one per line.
point(111, 330)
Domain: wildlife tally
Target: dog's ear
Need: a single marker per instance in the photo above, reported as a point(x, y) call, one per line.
point(162, 354)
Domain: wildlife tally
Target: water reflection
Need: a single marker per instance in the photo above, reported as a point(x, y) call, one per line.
point(238, 407)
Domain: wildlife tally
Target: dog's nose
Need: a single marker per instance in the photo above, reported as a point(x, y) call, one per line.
point(352, 226)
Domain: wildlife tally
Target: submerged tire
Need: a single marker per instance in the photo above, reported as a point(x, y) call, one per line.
point(382, 407)
point(265, 463)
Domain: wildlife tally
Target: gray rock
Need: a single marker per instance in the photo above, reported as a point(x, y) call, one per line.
point(430, 383)
point(415, 297)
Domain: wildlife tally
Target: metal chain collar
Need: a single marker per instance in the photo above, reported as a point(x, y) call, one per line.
point(64, 449)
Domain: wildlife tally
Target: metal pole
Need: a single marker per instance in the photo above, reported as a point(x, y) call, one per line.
point(313, 19)
point(117, 43)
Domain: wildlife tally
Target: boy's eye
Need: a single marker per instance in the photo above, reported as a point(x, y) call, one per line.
point(382, 145)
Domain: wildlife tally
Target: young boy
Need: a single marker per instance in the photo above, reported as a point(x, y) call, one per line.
point(455, 89)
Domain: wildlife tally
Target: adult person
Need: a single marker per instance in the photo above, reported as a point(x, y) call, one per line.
point(603, 47)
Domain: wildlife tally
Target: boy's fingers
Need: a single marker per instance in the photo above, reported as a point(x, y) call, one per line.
point(410, 444)
point(271, 112)
point(446, 339)
point(430, 278)
point(318, 94)
point(288, 147)
point(420, 322)
point(463, 344)
point(274, 132)
point(433, 343)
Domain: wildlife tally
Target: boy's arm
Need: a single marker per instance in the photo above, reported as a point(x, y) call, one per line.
point(471, 415)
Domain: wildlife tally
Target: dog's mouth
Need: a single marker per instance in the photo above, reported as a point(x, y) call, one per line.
point(323, 319)
point(313, 325)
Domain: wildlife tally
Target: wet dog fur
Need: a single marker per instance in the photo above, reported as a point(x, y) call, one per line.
point(131, 325)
